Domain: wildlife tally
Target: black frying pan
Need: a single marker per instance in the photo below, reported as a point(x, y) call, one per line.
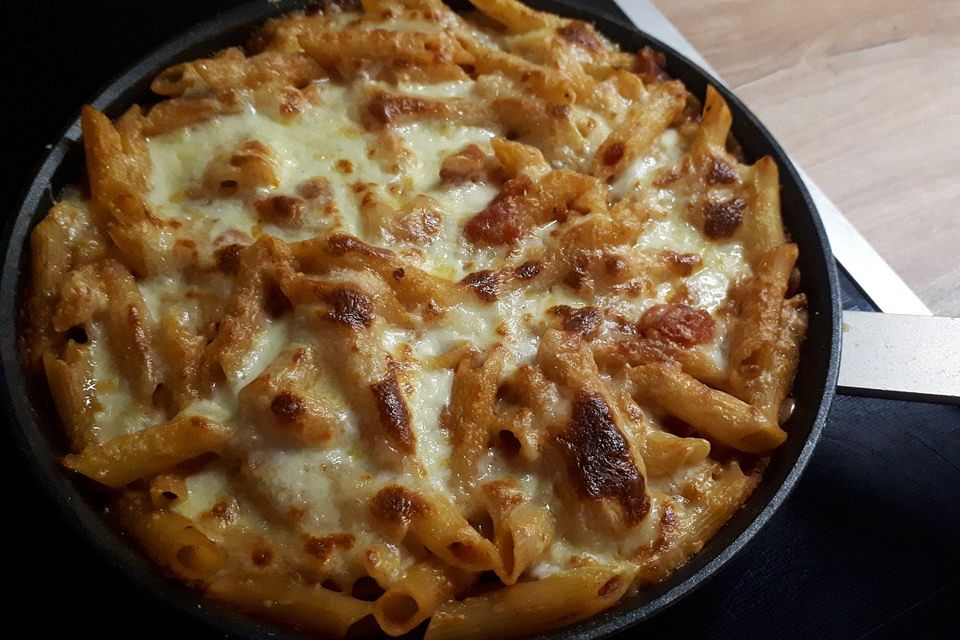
point(37, 429)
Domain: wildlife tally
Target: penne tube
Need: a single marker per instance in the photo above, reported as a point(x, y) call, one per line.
point(152, 450)
point(762, 226)
point(277, 597)
point(280, 397)
point(73, 390)
point(716, 414)
point(231, 69)
point(471, 411)
point(436, 524)
point(757, 329)
point(641, 125)
point(171, 540)
point(663, 453)
point(130, 331)
point(166, 489)
point(177, 113)
point(414, 598)
point(522, 538)
point(530, 607)
point(182, 353)
point(328, 48)
point(517, 158)
point(515, 16)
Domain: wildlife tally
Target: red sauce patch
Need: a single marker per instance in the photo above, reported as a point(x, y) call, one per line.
point(677, 323)
point(394, 413)
point(502, 221)
point(466, 165)
point(599, 460)
point(722, 219)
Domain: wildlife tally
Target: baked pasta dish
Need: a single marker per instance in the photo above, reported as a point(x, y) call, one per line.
point(403, 319)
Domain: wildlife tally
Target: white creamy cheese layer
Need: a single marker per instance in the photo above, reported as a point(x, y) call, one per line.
point(329, 485)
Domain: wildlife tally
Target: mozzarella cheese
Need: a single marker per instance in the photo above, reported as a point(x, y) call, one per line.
point(285, 490)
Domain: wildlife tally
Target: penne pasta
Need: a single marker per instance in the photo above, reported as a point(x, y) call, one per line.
point(398, 319)
point(152, 450)
point(715, 414)
point(528, 607)
point(415, 597)
point(312, 608)
point(171, 540)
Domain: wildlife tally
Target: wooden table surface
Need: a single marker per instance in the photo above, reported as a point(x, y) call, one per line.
point(865, 94)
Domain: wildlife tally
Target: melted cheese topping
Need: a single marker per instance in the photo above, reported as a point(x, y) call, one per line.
point(274, 489)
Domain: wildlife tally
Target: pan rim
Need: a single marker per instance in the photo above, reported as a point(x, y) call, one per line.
point(42, 457)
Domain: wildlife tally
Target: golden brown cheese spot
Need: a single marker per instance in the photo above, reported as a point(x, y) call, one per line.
point(581, 34)
point(340, 244)
point(720, 172)
point(315, 189)
point(226, 511)
point(287, 407)
point(559, 111)
point(417, 221)
point(579, 272)
point(261, 554)
point(584, 321)
point(677, 323)
point(722, 219)
point(228, 258)
point(283, 211)
point(466, 165)
point(651, 65)
point(275, 303)
point(502, 221)
point(394, 413)
point(682, 264)
point(485, 284)
point(350, 308)
point(322, 547)
point(599, 460)
point(528, 270)
point(398, 505)
point(248, 168)
point(614, 153)
point(384, 108)
point(503, 494)
point(344, 166)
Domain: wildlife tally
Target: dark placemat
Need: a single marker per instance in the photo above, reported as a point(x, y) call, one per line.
point(868, 545)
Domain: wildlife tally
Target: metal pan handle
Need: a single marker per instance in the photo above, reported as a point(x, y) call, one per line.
point(899, 356)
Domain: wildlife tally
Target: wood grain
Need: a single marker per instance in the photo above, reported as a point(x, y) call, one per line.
point(865, 94)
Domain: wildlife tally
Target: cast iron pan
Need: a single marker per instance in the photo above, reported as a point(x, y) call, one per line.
point(36, 427)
